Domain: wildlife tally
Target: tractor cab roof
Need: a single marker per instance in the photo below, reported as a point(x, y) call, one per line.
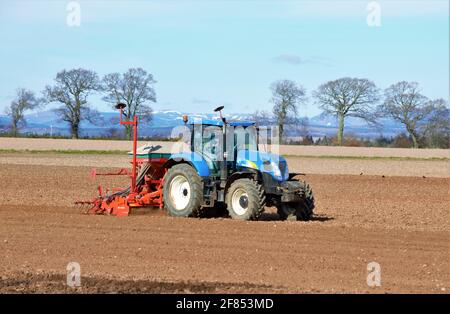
point(220, 123)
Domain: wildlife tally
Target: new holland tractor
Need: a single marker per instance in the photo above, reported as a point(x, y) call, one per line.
point(222, 169)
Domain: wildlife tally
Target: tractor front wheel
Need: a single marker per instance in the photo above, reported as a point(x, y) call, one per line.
point(182, 191)
point(302, 210)
point(245, 199)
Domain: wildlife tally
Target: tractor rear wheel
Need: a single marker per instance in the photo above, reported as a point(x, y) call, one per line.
point(302, 210)
point(182, 191)
point(245, 199)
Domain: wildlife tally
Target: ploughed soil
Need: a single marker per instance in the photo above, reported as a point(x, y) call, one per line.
point(401, 223)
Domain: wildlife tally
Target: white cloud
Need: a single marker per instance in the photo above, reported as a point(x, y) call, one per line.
point(289, 58)
point(294, 59)
point(201, 101)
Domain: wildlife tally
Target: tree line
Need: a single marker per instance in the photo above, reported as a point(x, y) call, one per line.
point(425, 120)
point(71, 90)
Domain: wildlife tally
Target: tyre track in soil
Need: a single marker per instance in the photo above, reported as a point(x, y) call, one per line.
point(359, 219)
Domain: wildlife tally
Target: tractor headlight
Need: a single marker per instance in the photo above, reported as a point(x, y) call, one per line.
point(272, 168)
point(275, 169)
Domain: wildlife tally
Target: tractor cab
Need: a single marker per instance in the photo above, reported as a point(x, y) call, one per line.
point(207, 140)
point(235, 147)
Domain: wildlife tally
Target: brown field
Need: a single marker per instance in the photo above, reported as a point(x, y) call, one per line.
point(400, 221)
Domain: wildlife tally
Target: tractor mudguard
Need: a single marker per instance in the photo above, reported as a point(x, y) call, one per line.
point(245, 173)
point(193, 159)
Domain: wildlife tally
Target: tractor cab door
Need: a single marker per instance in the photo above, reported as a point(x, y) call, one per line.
point(208, 143)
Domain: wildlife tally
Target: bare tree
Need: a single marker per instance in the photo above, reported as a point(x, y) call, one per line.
point(114, 133)
point(348, 97)
point(72, 89)
point(24, 100)
point(436, 131)
point(134, 88)
point(286, 97)
point(303, 127)
point(261, 117)
point(405, 104)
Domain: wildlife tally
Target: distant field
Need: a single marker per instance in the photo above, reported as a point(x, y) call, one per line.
point(291, 150)
point(307, 165)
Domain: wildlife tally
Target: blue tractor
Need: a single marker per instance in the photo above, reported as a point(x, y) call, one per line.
point(224, 170)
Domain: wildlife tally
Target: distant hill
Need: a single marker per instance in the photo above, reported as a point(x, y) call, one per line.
point(47, 122)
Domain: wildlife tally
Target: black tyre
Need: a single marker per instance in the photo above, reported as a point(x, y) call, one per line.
point(182, 191)
point(245, 199)
point(302, 210)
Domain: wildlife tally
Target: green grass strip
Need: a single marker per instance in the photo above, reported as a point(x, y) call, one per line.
point(370, 157)
point(64, 151)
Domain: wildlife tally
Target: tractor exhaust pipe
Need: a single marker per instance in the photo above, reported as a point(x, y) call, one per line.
point(223, 164)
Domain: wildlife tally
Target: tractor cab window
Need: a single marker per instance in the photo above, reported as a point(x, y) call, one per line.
point(245, 138)
point(211, 141)
point(207, 138)
point(197, 138)
point(207, 141)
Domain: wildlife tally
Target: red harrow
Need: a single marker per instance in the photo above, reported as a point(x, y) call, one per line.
point(147, 178)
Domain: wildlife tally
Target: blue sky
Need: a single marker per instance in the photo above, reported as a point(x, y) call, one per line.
point(206, 53)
